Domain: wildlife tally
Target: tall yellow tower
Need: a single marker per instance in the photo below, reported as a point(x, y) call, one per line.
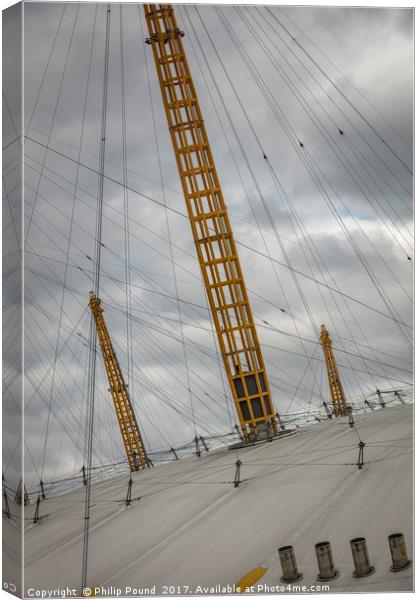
point(133, 443)
point(211, 229)
point(337, 394)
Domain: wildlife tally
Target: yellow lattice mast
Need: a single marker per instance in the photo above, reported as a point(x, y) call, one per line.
point(212, 232)
point(133, 443)
point(337, 394)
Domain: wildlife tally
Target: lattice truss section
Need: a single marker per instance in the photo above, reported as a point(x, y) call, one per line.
point(214, 242)
point(337, 394)
point(133, 444)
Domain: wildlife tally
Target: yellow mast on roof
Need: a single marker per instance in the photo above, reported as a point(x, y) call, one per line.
point(337, 393)
point(133, 443)
point(211, 229)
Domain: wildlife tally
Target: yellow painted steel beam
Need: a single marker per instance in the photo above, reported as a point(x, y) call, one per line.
point(338, 397)
point(250, 578)
point(130, 432)
point(211, 228)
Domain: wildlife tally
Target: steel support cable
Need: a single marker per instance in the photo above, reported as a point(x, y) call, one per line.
point(71, 224)
point(115, 223)
point(152, 384)
point(90, 409)
point(242, 151)
point(7, 197)
point(137, 192)
point(66, 190)
point(166, 187)
point(358, 112)
point(301, 383)
point(141, 273)
point(343, 366)
point(55, 414)
point(357, 355)
point(254, 250)
point(291, 85)
point(127, 251)
point(54, 114)
point(168, 360)
point(81, 293)
point(65, 345)
point(362, 159)
point(85, 269)
point(292, 335)
point(82, 365)
point(113, 279)
point(147, 408)
point(262, 199)
point(283, 194)
point(165, 332)
point(280, 385)
point(288, 208)
point(366, 161)
point(344, 76)
point(230, 149)
point(108, 161)
point(168, 229)
point(231, 36)
point(336, 126)
point(78, 360)
point(315, 251)
point(8, 164)
point(382, 293)
point(300, 149)
point(41, 84)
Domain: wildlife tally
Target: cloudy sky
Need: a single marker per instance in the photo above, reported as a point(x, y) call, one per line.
point(336, 207)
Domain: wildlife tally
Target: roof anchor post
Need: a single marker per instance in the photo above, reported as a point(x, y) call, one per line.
point(6, 510)
point(206, 448)
point(369, 404)
point(128, 497)
point(36, 515)
point(327, 410)
point(398, 395)
point(350, 414)
point(197, 447)
point(280, 422)
point(237, 479)
point(238, 431)
point(381, 398)
point(360, 458)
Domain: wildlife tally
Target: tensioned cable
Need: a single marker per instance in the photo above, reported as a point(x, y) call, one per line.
point(54, 114)
point(315, 172)
point(69, 233)
point(254, 250)
point(363, 159)
point(41, 83)
point(371, 127)
point(160, 293)
point(335, 289)
point(375, 108)
point(257, 187)
point(127, 251)
point(168, 229)
point(96, 283)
